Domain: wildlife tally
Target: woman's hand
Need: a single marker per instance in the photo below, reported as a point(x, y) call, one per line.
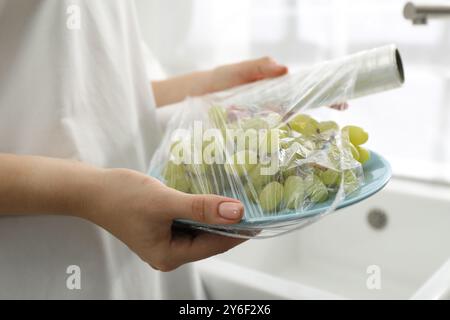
point(199, 83)
point(232, 75)
point(139, 210)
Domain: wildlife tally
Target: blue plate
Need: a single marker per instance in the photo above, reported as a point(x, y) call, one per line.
point(377, 173)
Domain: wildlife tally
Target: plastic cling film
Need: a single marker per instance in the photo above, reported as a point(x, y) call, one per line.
point(380, 69)
point(376, 70)
point(257, 143)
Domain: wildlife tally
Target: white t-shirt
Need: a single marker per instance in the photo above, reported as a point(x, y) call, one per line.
point(73, 85)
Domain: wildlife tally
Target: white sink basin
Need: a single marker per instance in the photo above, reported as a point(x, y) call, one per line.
point(330, 259)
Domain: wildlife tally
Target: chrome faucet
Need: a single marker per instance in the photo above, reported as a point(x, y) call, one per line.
point(419, 14)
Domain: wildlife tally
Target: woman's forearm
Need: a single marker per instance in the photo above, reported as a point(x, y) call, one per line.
point(176, 89)
point(39, 185)
point(228, 76)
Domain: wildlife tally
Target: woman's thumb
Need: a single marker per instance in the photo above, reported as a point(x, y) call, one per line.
point(205, 208)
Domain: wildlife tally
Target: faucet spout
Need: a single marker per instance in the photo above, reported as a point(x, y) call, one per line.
point(420, 14)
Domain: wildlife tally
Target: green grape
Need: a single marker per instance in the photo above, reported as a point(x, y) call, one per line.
point(174, 145)
point(242, 162)
point(328, 125)
point(180, 184)
point(283, 134)
point(271, 196)
point(273, 119)
point(285, 144)
point(356, 135)
point(177, 151)
point(364, 154)
point(258, 179)
point(247, 140)
point(173, 170)
point(289, 167)
point(300, 148)
point(290, 170)
point(201, 185)
point(334, 155)
point(330, 177)
point(196, 156)
point(219, 179)
point(316, 190)
point(351, 182)
point(197, 169)
point(228, 130)
point(306, 143)
point(285, 139)
point(209, 149)
point(175, 177)
point(304, 124)
point(270, 142)
point(354, 151)
point(341, 159)
point(251, 192)
point(286, 128)
point(218, 115)
point(294, 192)
point(254, 123)
point(191, 155)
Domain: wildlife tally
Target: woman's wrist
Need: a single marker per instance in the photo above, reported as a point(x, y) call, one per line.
point(86, 192)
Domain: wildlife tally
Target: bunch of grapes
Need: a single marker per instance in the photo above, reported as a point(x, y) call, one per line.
point(315, 159)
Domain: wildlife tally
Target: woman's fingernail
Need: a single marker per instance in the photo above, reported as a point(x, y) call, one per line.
point(230, 210)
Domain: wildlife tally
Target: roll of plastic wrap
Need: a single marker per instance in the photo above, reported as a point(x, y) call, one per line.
point(379, 69)
point(359, 74)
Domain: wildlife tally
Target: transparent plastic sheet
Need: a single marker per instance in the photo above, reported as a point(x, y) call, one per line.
point(257, 144)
